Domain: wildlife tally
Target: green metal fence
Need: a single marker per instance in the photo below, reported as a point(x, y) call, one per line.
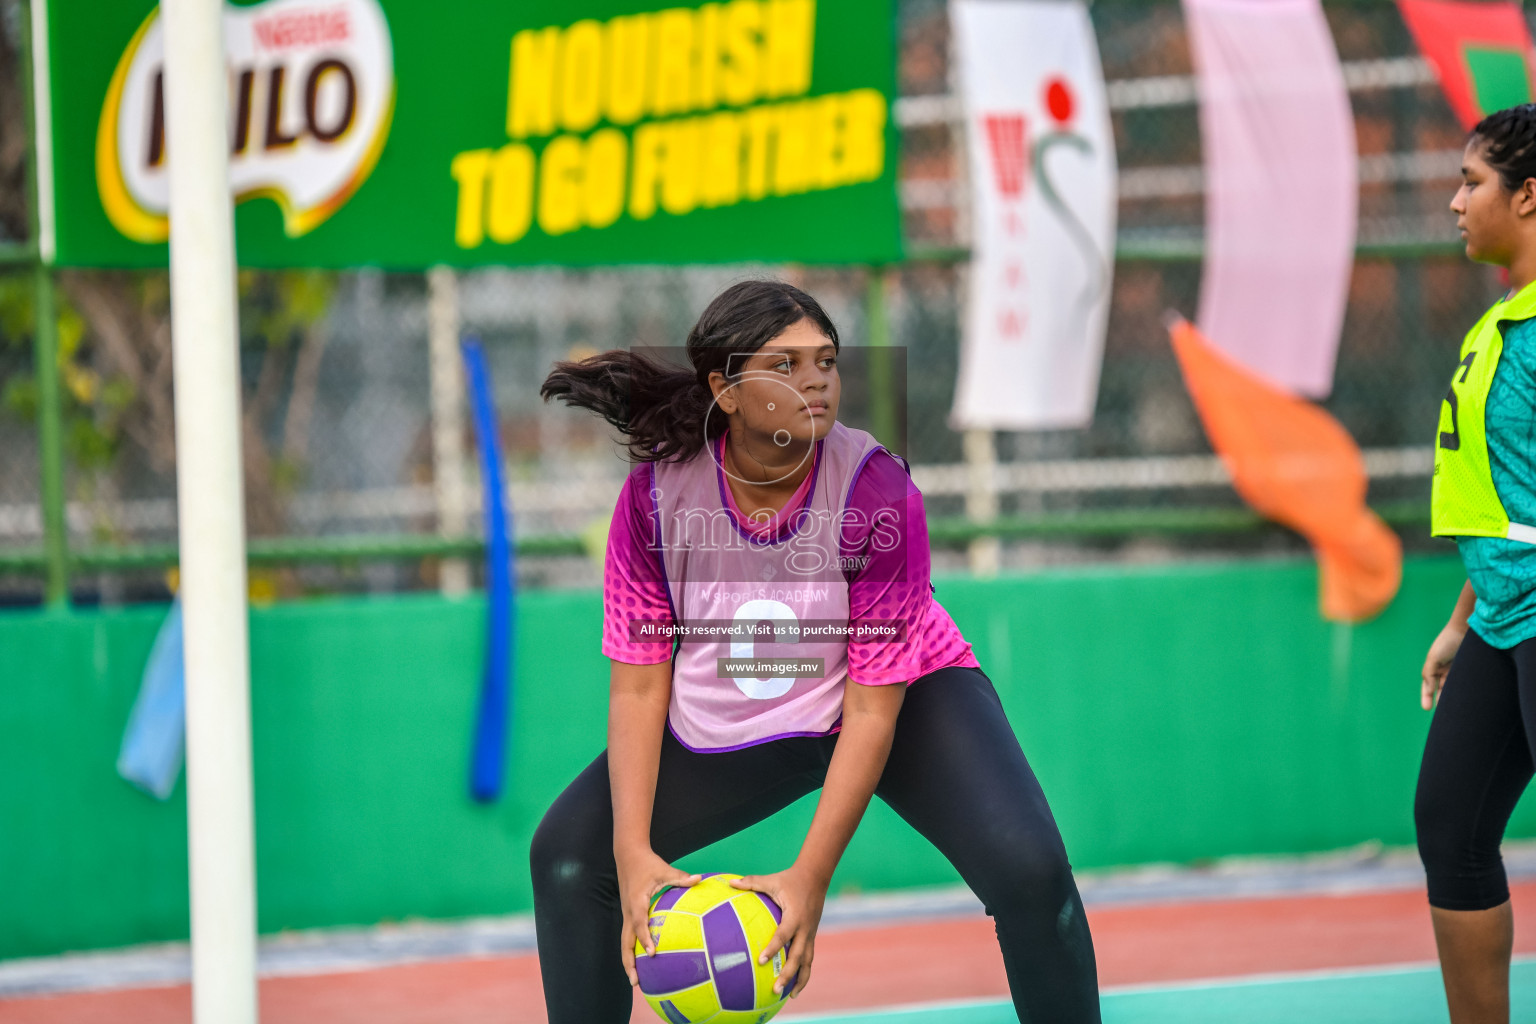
point(335, 367)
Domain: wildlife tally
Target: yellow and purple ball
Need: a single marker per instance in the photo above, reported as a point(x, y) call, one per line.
point(708, 938)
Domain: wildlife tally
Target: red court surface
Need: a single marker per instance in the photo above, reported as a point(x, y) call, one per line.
point(914, 962)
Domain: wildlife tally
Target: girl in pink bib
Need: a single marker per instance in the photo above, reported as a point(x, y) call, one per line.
point(766, 590)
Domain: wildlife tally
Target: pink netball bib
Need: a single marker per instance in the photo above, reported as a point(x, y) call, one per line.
point(762, 623)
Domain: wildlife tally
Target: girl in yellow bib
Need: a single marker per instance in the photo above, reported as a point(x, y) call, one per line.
point(1480, 673)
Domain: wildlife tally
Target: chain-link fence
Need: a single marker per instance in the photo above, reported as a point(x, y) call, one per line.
point(336, 370)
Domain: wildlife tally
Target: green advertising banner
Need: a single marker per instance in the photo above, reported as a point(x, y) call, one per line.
point(404, 134)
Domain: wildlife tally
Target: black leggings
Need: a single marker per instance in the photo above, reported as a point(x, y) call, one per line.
point(955, 774)
point(1477, 762)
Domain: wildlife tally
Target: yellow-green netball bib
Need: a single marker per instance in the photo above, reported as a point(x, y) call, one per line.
point(1463, 502)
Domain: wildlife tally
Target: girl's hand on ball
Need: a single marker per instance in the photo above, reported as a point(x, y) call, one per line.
point(801, 898)
point(642, 875)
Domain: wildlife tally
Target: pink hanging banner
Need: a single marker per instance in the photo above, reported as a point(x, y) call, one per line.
point(1281, 187)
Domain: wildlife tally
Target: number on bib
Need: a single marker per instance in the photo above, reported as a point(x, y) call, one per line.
point(1450, 440)
point(749, 614)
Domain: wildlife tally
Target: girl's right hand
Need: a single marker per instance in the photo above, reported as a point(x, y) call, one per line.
point(1438, 663)
point(642, 875)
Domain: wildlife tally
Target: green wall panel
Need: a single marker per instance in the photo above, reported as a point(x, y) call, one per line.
point(1172, 714)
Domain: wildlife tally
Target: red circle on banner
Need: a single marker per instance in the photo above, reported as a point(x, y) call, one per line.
point(1058, 100)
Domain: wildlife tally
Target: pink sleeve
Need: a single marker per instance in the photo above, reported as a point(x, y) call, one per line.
point(893, 581)
point(634, 585)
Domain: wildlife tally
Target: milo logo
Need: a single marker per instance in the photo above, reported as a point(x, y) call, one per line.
point(311, 89)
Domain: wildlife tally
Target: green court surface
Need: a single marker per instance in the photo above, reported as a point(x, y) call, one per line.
point(1379, 996)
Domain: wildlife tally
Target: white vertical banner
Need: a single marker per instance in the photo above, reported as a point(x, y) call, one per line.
point(1042, 160)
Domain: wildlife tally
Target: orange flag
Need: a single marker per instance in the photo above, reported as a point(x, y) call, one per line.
point(1295, 464)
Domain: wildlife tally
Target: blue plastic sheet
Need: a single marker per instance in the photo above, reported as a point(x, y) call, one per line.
point(155, 742)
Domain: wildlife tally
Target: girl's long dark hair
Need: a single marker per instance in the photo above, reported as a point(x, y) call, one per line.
point(1509, 143)
point(666, 412)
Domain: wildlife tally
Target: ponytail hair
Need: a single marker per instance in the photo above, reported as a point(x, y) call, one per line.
point(667, 413)
point(1508, 139)
point(647, 399)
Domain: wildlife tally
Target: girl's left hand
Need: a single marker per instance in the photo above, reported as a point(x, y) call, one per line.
point(801, 899)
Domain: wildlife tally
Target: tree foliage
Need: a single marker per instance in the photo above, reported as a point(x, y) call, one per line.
point(114, 351)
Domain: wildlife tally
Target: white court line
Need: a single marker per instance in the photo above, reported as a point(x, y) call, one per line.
point(1202, 984)
point(885, 1011)
point(1322, 974)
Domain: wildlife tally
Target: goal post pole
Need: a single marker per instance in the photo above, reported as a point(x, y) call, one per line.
point(210, 516)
